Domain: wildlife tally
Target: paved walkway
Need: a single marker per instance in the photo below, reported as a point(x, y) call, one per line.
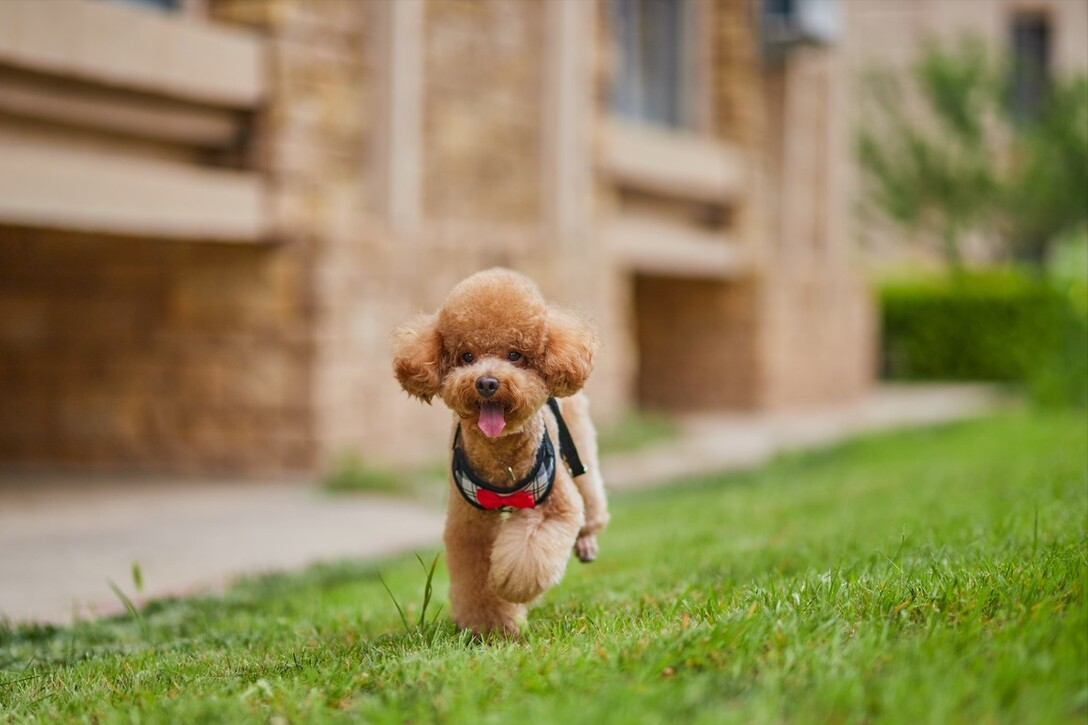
point(62, 540)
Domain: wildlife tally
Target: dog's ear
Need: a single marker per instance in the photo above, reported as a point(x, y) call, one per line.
point(417, 356)
point(569, 347)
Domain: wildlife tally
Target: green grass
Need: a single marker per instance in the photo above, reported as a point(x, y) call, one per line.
point(636, 430)
point(934, 576)
point(352, 475)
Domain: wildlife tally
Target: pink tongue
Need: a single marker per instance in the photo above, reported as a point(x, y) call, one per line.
point(492, 419)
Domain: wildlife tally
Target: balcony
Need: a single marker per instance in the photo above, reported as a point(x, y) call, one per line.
point(119, 120)
point(675, 194)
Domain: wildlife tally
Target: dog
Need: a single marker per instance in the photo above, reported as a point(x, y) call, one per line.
point(499, 357)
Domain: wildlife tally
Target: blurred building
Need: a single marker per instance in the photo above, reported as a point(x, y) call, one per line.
point(213, 212)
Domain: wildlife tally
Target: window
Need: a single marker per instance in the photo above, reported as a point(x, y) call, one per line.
point(161, 4)
point(656, 44)
point(781, 11)
point(788, 23)
point(1030, 66)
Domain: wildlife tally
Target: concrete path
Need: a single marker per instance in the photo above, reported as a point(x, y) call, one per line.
point(62, 540)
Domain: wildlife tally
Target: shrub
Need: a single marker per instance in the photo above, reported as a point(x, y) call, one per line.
point(997, 326)
point(1063, 376)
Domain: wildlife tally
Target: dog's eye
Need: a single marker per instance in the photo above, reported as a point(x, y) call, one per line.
point(513, 356)
point(468, 357)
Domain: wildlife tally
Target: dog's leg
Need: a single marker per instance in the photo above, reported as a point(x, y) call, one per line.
point(469, 537)
point(590, 484)
point(532, 547)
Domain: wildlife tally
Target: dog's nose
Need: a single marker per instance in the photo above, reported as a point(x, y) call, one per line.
point(486, 385)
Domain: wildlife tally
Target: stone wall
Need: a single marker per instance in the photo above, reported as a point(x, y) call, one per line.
point(818, 338)
point(134, 353)
point(768, 342)
point(483, 81)
point(739, 115)
point(699, 344)
point(816, 312)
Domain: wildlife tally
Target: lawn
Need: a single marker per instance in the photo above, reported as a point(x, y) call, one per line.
point(933, 576)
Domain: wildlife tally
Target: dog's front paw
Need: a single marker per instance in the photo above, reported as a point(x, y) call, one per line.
point(586, 548)
point(530, 555)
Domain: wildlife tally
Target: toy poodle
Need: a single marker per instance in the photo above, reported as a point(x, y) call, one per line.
point(499, 356)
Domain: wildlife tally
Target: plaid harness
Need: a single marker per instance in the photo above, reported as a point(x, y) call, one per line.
point(530, 491)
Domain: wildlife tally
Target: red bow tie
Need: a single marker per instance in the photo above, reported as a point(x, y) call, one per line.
point(519, 499)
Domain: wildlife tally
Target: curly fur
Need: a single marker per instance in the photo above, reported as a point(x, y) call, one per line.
point(500, 562)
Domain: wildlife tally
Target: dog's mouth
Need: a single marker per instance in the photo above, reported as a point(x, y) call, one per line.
point(492, 417)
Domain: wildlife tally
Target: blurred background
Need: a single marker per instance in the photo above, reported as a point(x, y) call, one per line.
point(213, 212)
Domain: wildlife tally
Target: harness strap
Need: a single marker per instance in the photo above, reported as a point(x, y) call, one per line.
point(567, 449)
point(530, 491)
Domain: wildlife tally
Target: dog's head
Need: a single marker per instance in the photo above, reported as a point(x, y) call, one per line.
point(494, 352)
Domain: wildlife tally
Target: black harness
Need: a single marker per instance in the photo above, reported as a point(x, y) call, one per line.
point(530, 491)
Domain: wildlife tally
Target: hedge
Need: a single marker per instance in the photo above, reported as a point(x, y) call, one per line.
point(994, 326)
